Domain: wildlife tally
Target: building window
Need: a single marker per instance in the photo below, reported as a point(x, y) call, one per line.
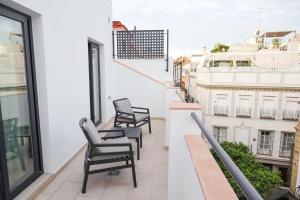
point(244, 107)
point(291, 110)
point(265, 142)
point(221, 105)
point(286, 143)
point(20, 149)
point(220, 133)
point(268, 110)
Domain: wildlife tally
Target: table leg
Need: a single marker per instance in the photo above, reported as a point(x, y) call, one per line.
point(141, 140)
point(138, 148)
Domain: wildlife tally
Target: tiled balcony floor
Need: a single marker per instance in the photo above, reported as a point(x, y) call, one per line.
point(151, 170)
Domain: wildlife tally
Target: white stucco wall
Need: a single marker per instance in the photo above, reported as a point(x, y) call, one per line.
point(182, 178)
point(141, 91)
point(154, 67)
point(60, 35)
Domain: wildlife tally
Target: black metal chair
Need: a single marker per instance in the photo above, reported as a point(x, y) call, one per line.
point(114, 149)
point(12, 146)
point(127, 114)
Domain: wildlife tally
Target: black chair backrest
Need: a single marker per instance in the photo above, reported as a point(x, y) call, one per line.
point(122, 105)
point(89, 130)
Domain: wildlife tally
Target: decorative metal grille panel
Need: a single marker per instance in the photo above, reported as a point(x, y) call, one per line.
point(143, 44)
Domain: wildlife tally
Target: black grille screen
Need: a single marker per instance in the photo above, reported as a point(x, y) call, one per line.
point(145, 44)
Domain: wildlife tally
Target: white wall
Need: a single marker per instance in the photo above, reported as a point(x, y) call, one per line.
point(180, 124)
point(61, 30)
point(154, 67)
point(141, 91)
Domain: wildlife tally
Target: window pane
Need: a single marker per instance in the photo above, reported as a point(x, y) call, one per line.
point(14, 102)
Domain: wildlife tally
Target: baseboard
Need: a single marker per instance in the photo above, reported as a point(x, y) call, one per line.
point(36, 187)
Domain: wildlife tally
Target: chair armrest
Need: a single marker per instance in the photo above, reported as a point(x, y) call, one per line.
point(130, 116)
point(112, 131)
point(129, 145)
point(139, 108)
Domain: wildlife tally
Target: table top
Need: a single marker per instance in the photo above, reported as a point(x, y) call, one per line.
point(130, 132)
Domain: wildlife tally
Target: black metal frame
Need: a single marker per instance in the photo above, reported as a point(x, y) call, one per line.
point(141, 44)
point(91, 73)
point(90, 153)
point(129, 118)
point(33, 108)
point(138, 140)
point(177, 74)
point(239, 114)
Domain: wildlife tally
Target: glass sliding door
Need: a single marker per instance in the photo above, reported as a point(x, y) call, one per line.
point(20, 155)
point(95, 91)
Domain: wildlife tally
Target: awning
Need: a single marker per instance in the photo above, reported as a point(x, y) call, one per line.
point(276, 34)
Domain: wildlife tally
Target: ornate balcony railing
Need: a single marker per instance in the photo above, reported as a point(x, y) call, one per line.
point(221, 110)
point(291, 114)
point(266, 151)
point(267, 113)
point(285, 153)
point(243, 112)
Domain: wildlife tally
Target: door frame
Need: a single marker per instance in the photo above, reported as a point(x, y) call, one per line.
point(32, 106)
point(92, 44)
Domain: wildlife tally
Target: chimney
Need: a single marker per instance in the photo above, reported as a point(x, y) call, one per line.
point(204, 50)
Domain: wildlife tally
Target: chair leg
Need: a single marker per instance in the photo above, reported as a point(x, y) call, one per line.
point(149, 124)
point(138, 147)
point(86, 174)
point(115, 122)
point(141, 140)
point(133, 171)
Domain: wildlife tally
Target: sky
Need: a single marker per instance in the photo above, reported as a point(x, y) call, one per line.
point(194, 24)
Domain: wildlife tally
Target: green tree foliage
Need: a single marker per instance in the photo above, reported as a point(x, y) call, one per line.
point(276, 43)
point(183, 59)
point(220, 48)
point(261, 177)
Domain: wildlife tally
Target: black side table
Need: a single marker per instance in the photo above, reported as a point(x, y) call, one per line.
point(131, 133)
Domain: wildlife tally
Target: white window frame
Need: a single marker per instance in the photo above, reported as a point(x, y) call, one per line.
point(286, 145)
point(264, 144)
point(217, 133)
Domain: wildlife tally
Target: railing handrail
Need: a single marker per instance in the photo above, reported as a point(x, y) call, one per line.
point(180, 96)
point(247, 188)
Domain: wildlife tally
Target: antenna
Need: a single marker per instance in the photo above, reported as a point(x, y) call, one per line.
point(260, 17)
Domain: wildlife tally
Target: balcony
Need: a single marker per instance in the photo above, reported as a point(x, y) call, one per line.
point(151, 169)
point(158, 170)
point(221, 110)
point(243, 112)
point(285, 153)
point(267, 113)
point(290, 115)
point(264, 151)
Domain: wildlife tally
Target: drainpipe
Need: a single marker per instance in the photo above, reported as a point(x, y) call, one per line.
point(295, 160)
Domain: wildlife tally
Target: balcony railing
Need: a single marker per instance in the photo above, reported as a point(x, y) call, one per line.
point(248, 190)
point(243, 112)
point(267, 113)
point(285, 153)
point(264, 151)
point(290, 114)
point(221, 110)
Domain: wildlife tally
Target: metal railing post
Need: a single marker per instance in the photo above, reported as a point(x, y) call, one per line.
point(167, 59)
